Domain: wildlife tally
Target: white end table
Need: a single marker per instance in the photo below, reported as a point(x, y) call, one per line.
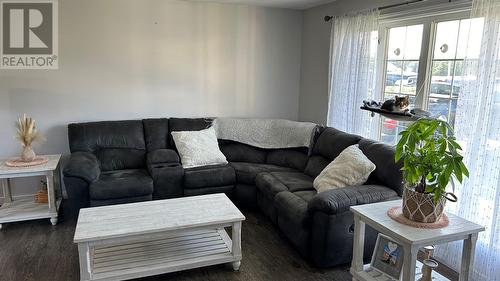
point(411, 238)
point(25, 208)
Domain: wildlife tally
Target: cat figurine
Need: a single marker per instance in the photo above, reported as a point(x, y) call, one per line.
point(397, 104)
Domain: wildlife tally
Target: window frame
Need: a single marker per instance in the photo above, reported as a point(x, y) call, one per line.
point(429, 17)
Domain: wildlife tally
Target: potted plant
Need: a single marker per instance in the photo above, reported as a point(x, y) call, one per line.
point(431, 160)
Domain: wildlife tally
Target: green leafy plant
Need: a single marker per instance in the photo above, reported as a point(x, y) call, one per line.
point(431, 156)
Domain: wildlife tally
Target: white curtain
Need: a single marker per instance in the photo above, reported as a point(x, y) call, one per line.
point(353, 50)
point(478, 129)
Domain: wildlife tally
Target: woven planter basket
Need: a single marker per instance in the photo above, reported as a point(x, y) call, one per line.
point(420, 207)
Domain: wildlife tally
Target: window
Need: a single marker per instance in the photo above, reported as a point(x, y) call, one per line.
point(450, 49)
point(424, 60)
point(402, 61)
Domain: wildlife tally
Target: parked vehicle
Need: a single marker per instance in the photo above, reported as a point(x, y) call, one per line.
point(444, 88)
point(392, 78)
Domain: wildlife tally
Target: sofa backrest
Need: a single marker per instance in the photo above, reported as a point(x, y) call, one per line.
point(186, 124)
point(156, 133)
point(239, 152)
point(117, 144)
point(288, 157)
point(295, 158)
point(388, 172)
point(330, 143)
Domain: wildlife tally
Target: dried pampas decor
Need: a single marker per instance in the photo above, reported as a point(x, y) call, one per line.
point(26, 135)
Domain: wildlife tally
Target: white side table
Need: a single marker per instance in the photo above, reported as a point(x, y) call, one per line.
point(25, 208)
point(411, 238)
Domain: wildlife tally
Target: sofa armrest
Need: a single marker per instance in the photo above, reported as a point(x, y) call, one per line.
point(336, 201)
point(83, 165)
point(162, 156)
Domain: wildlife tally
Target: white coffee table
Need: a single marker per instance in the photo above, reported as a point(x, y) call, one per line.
point(134, 240)
point(22, 209)
point(411, 238)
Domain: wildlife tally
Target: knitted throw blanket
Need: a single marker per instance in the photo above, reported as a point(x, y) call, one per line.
point(265, 133)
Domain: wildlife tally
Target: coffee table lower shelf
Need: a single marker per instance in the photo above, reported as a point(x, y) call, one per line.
point(157, 254)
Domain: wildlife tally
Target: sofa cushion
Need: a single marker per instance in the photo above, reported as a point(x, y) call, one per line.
point(247, 172)
point(272, 183)
point(336, 201)
point(162, 156)
point(117, 144)
point(94, 136)
point(209, 176)
point(121, 158)
point(121, 184)
point(291, 158)
point(306, 195)
point(239, 152)
point(294, 181)
point(268, 185)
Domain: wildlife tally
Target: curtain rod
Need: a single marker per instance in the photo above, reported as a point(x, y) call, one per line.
point(329, 18)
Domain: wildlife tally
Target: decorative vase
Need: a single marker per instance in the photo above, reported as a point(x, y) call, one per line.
point(420, 207)
point(28, 154)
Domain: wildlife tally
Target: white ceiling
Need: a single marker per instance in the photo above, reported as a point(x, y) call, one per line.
point(290, 4)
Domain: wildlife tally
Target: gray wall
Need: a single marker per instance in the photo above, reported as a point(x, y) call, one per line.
point(126, 59)
point(313, 98)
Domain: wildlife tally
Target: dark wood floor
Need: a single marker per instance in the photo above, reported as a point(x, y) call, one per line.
point(37, 251)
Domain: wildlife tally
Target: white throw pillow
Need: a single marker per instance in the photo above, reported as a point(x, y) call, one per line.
point(198, 148)
point(350, 168)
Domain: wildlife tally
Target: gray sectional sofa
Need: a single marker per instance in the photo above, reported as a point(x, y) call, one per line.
point(116, 162)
